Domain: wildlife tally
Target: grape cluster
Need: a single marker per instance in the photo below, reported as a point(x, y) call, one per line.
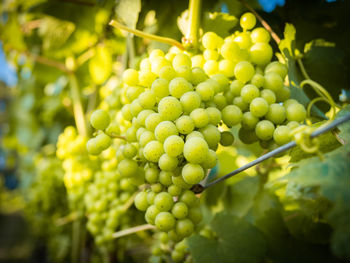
point(78, 165)
point(179, 107)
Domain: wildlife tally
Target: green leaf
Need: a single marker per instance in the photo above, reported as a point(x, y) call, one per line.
point(220, 23)
point(287, 45)
point(239, 241)
point(344, 128)
point(128, 12)
point(203, 250)
point(100, 66)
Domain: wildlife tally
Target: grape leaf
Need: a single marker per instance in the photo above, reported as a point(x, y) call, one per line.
point(128, 12)
point(203, 250)
point(345, 127)
point(220, 23)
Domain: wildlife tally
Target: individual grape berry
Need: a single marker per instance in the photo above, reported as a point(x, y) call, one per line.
point(190, 101)
point(197, 61)
point(214, 115)
point(129, 150)
point(260, 35)
point(195, 150)
point(165, 221)
point(128, 168)
point(227, 138)
point(238, 101)
point(165, 177)
point(151, 214)
point(210, 54)
point(164, 130)
point(212, 135)
point(100, 119)
point(247, 136)
point(231, 115)
point(261, 53)
point(198, 75)
point(268, 95)
point(169, 108)
point(211, 67)
point(205, 90)
point(236, 87)
point(283, 94)
point(93, 147)
point(274, 82)
point(249, 121)
point(189, 198)
point(258, 80)
point(292, 125)
point(195, 214)
point(180, 210)
point(282, 135)
point(152, 121)
point(276, 114)
point(168, 73)
point(296, 112)
point(163, 201)
point(264, 130)
point(174, 190)
point(230, 50)
point(277, 67)
point(258, 107)
point(244, 71)
point(247, 21)
point(146, 137)
point(141, 118)
point(211, 160)
point(244, 42)
point(192, 173)
point(131, 77)
point(173, 145)
point(141, 202)
point(194, 134)
point(200, 117)
point(184, 227)
point(151, 175)
point(167, 163)
point(222, 81)
point(210, 40)
point(147, 99)
point(249, 92)
point(227, 67)
point(153, 151)
point(185, 124)
point(181, 59)
point(179, 182)
point(160, 88)
point(178, 86)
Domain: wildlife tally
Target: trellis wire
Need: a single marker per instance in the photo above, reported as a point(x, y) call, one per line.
point(198, 188)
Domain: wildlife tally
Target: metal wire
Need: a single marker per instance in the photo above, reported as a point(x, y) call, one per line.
point(198, 188)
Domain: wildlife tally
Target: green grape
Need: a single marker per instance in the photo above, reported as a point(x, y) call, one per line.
point(190, 101)
point(151, 214)
point(283, 94)
point(168, 73)
point(192, 173)
point(163, 201)
point(150, 197)
point(289, 102)
point(103, 141)
point(181, 59)
point(126, 112)
point(145, 65)
point(277, 67)
point(276, 114)
point(261, 53)
point(244, 71)
point(130, 134)
point(165, 177)
point(249, 92)
point(146, 78)
point(133, 92)
point(147, 99)
point(131, 77)
point(274, 82)
point(296, 112)
point(247, 136)
point(178, 86)
point(264, 130)
point(210, 54)
point(141, 202)
point(164, 130)
point(157, 188)
point(227, 67)
point(174, 190)
point(127, 167)
point(153, 151)
point(195, 150)
point(173, 145)
point(93, 147)
point(249, 121)
point(180, 210)
point(146, 137)
point(259, 107)
point(212, 135)
point(167, 163)
point(227, 138)
point(198, 75)
point(184, 227)
point(214, 115)
point(141, 117)
point(197, 61)
point(184, 72)
point(195, 215)
point(211, 67)
point(100, 119)
point(152, 121)
point(135, 108)
point(258, 80)
point(236, 87)
point(179, 182)
point(244, 42)
point(177, 256)
point(282, 135)
point(238, 101)
point(260, 35)
point(152, 175)
point(129, 151)
point(200, 117)
point(169, 108)
point(210, 161)
point(230, 50)
point(156, 53)
point(189, 198)
point(222, 80)
point(268, 95)
point(247, 21)
point(210, 40)
point(160, 88)
point(205, 90)
point(231, 115)
point(292, 125)
point(185, 124)
point(194, 134)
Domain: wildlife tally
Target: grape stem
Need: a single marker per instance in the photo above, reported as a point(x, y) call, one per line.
point(132, 230)
point(198, 188)
point(262, 21)
point(194, 21)
point(139, 33)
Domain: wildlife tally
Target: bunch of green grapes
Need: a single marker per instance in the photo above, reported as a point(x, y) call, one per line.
point(179, 107)
point(78, 165)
